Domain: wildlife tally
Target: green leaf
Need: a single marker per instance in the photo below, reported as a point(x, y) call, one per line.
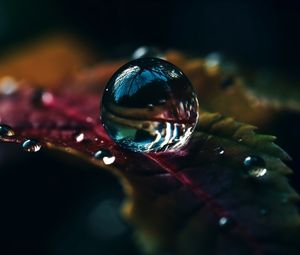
point(180, 207)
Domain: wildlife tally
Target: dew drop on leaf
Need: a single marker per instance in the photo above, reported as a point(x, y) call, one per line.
point(31, 145)
point(149, 105)
point(225, 223)
point(255, 166)
point(220, 151)
point(6, 132)
point(105, 156)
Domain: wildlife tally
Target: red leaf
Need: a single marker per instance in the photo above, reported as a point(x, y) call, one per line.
point(195, 184)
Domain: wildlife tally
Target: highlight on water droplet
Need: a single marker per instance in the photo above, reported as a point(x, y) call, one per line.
point(31, 145)
point(6, 132)
point(149, 105)
point(79, 137)
point(255, 166)
point(225, 223)
point(220, 151)
point(105, 156)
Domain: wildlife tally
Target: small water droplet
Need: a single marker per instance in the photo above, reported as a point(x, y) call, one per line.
point(31, 145)
point(79, 137)
point(105, 156)
point(146, 52)
point(149, 105)
point(225, 223)
point(255, 166)
point(6, 132)
point(8, 85)
point(220, 151)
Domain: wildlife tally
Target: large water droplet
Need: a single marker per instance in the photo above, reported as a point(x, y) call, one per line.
point(105, 156)
point(31, 145)
point(146, 52)
point(255, 166)
point(128, 117)
point(6, 132)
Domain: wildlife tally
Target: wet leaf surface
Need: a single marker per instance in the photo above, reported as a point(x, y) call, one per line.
point(201, 199)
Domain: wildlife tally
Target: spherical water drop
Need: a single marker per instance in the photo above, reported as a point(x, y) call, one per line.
point(255, 166)
point(146, 52)
point(31, 145)
point(225, 223)
point(6, 132)
point(105, 156)
point(149, 105)
point(220, 151)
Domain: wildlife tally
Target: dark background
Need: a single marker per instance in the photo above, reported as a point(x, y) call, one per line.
point(54, 206)
point(260, 33)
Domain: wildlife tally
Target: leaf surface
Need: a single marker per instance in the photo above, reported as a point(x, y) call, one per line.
point(200, 199)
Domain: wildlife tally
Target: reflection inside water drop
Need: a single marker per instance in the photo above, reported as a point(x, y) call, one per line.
point(257, 172)
point(6, 132)
point(31, 145)
point(105, 156)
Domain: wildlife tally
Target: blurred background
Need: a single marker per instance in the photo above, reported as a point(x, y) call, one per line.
point(260, 33)
point(53, 206)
